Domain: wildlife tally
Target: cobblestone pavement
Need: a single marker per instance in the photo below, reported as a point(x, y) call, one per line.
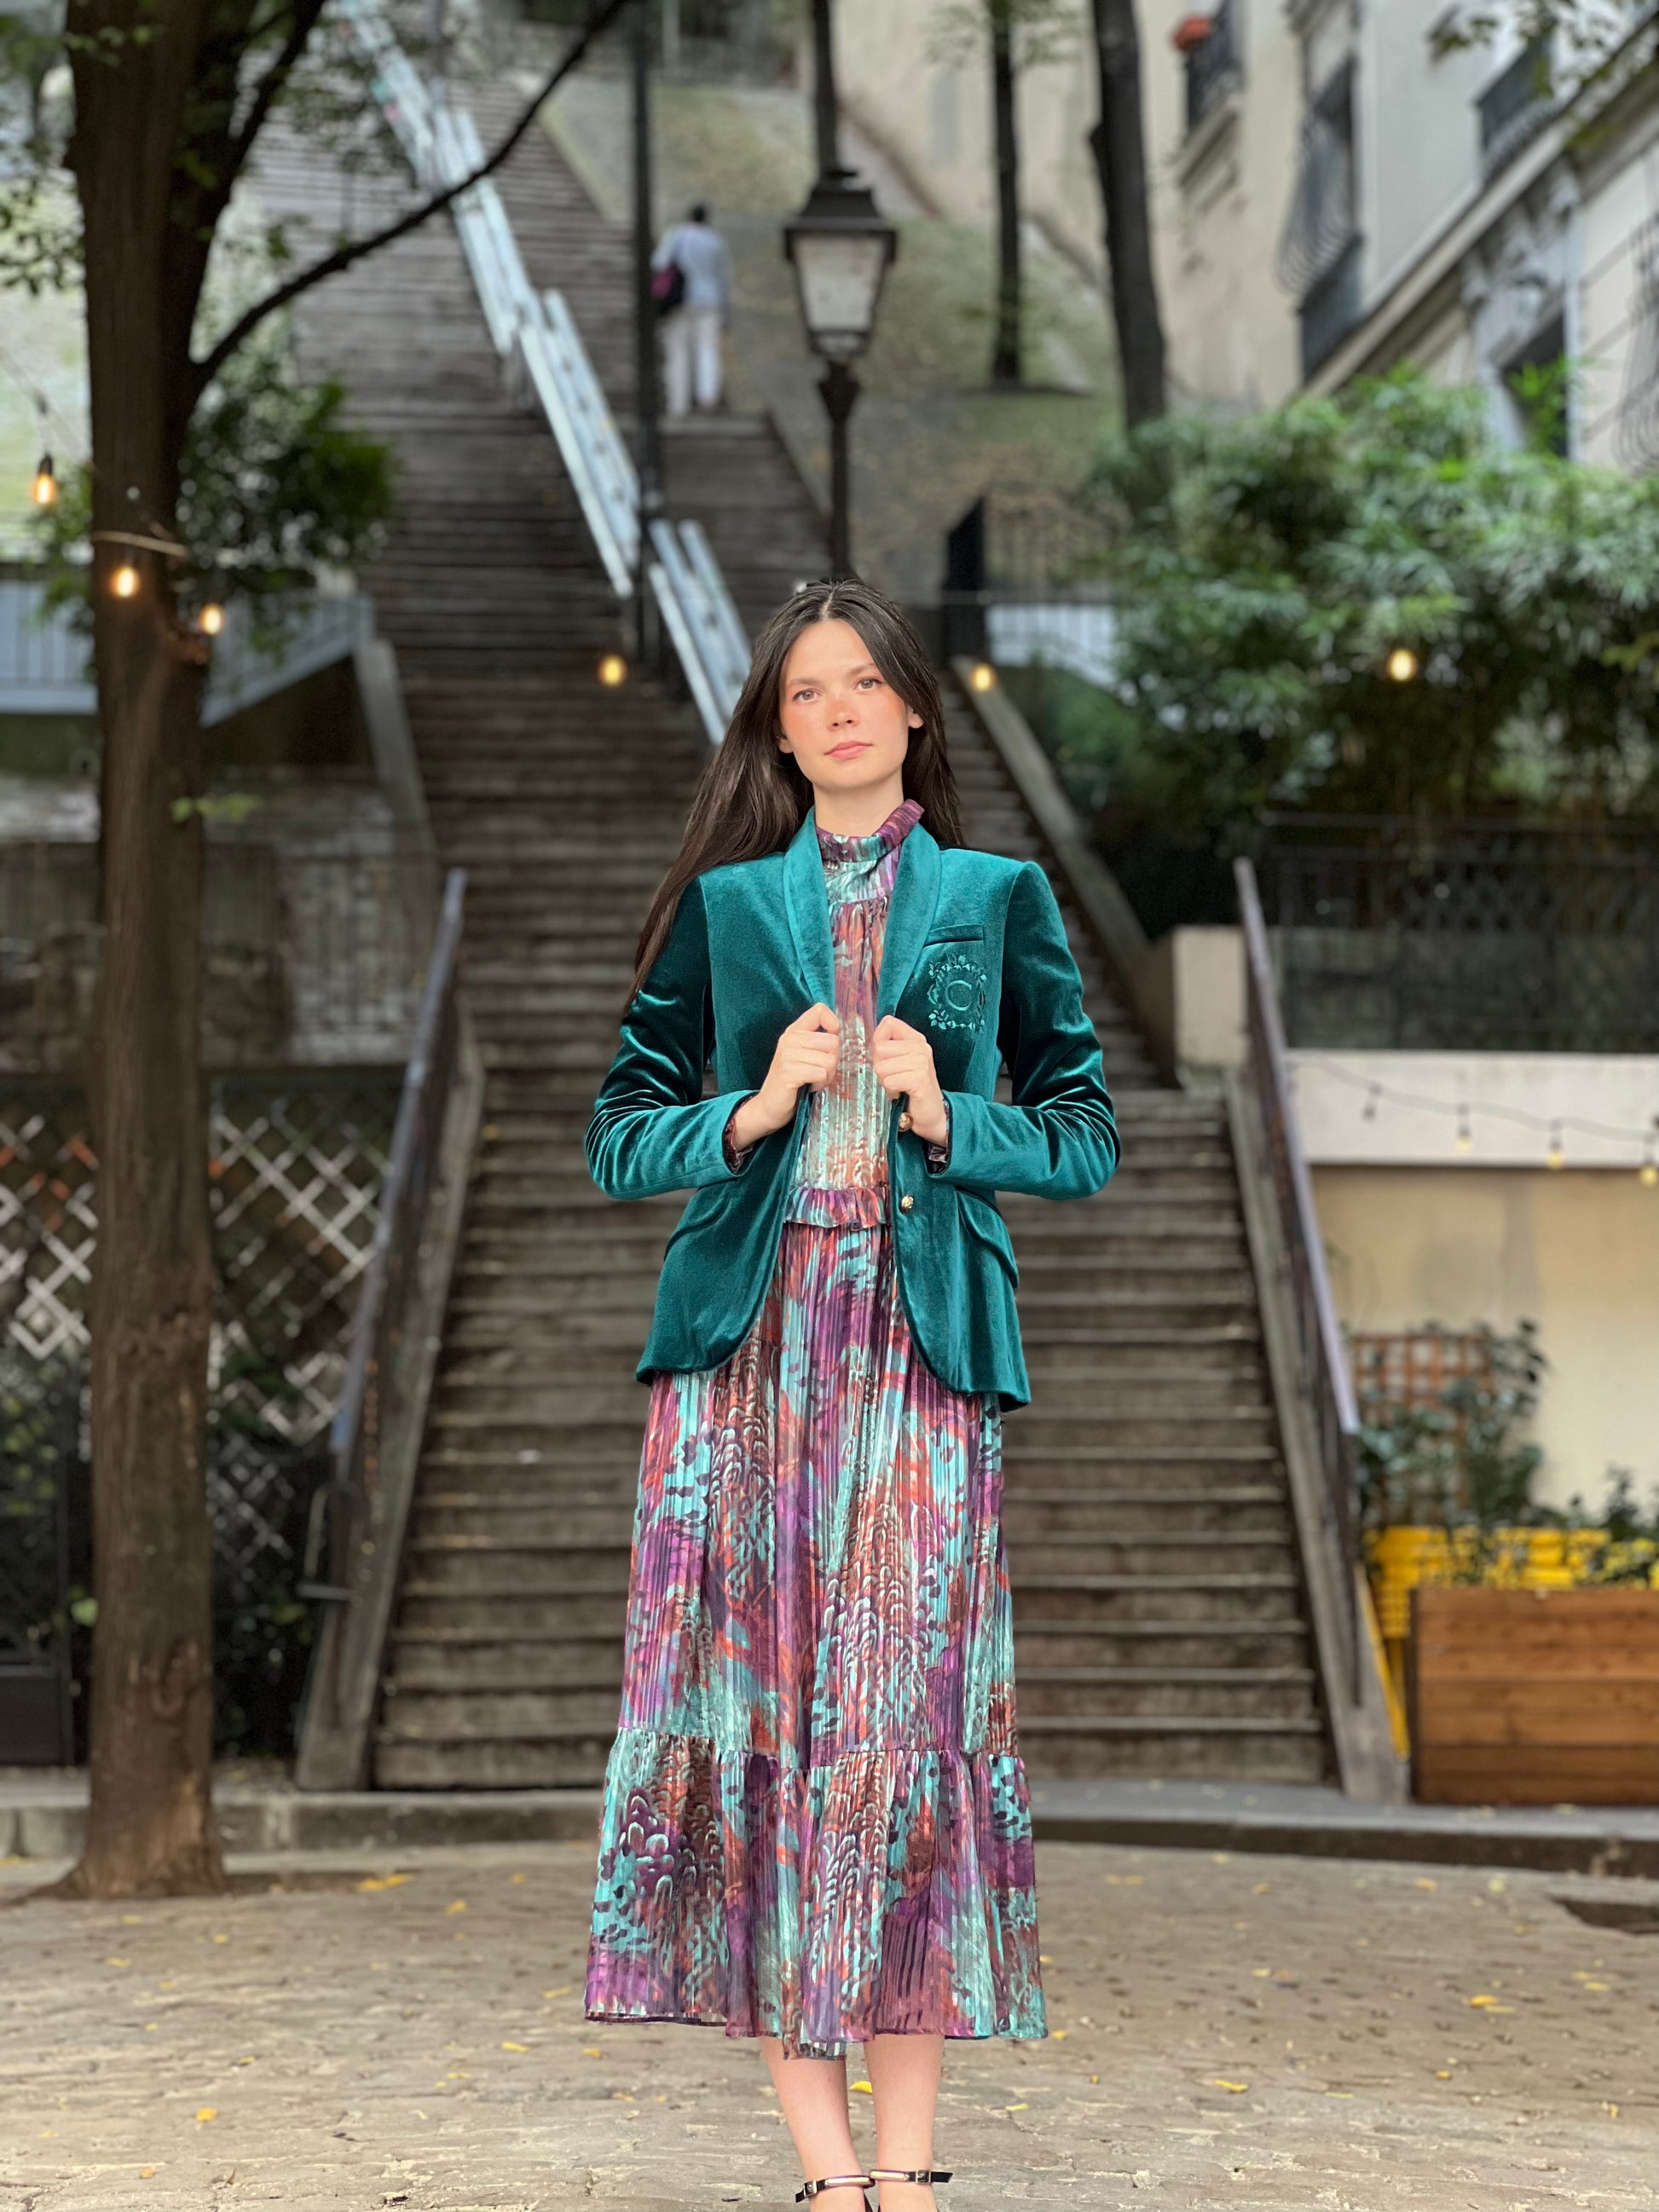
point(1249, 2032)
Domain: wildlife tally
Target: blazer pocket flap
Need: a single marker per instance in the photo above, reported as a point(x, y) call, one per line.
point(982, 1220)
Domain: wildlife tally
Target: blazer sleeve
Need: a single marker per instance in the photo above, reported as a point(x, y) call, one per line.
point(1058, 1137)
point(651, 1129)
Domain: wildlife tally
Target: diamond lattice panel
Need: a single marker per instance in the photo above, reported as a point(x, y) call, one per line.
point(295, 1168)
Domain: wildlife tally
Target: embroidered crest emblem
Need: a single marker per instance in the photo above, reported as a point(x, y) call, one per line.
point(955, 990)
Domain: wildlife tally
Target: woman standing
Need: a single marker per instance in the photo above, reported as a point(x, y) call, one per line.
point(815, 1828)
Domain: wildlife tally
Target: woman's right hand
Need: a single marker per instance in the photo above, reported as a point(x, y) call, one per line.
point(804, 1056)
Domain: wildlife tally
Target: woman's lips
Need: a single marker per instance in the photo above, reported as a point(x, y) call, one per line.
point(849, 749)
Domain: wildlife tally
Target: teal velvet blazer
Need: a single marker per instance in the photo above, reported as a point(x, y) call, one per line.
point(974, 955)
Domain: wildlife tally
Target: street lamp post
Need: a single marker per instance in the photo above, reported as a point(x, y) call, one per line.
point(647, 457)
point(839, 248)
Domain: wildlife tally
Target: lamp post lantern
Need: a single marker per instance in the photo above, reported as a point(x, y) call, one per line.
point(839, 248)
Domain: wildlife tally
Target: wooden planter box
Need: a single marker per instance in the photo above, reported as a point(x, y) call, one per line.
point(1534, 1696)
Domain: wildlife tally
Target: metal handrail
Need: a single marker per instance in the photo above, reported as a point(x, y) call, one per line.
point(537, 337)
point(1324, 1383)
point(352, 1488)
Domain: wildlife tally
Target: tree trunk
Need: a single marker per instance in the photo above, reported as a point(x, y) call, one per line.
point(824, 114)
point(1119, 143)
point(150, 1827)
point(1005, 359)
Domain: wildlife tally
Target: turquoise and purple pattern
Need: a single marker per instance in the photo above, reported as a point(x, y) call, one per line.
point(816, 1821)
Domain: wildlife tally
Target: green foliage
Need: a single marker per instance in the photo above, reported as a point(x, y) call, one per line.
point(1267, 569)
point(1462, 1463)
point(1041, 31)
point(277, 490)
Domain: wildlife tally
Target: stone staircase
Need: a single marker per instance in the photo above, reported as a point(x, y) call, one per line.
point(1159, 1626)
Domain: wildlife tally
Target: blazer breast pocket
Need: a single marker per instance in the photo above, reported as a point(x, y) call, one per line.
point(958, 983)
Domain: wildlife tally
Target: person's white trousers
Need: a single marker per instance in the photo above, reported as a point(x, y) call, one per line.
point(692, 336)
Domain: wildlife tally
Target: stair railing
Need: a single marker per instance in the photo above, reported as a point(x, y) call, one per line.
point(355, 1537)
point(1324, 1383)
point(535, 336)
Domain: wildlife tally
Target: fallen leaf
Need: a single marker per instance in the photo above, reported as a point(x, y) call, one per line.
point(517, 1877)
point(117, 1962)
point(1427, 1881)
point(1238, 2087)
point(865, 2085)
point(245, 2061)
point(147, 2174)
point(1443, 2074)
point(221, 1939)
point(1612, 2111)
point(592, 2051)
point(1016, 2108)
point(133, 1920)
point(515, 2047)
point(1043, 1959)
point(1060, 2035)
point(1263, 1887)
point(1490, 2004)
point(1601, 1986)
point(207, 2112)
point(563, 1991)
point(1340, 2092)
point(1094, 2077)
point(459, 1906)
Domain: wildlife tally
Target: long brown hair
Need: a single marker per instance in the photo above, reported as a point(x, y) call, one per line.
point(752, 799)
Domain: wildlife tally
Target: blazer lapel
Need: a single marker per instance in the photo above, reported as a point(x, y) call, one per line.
point(808, 903)
point(909, 915)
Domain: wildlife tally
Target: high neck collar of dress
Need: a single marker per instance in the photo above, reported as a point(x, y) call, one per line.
point(892, 833)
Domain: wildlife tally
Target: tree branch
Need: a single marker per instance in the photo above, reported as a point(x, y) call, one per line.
point(202, 372)
point(270, 84)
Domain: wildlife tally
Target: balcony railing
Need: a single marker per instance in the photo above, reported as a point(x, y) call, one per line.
point(1477, 937)
point(1515, 106)
point(1213, 65)
point(1331, 308)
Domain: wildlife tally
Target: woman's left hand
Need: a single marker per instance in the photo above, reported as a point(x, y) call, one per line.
point(903, 1061)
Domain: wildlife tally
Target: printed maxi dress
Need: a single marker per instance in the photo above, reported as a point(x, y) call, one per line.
point(816, 1821)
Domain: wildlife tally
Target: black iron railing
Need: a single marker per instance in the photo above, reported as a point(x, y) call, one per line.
point(1472, 937)
point(347, 1511)
point(1515, 106)
point(1212, 64)
point(1324, 1384)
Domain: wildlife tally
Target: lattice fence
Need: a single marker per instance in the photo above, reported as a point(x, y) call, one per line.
point(1408, 1369)
point(294, 1169)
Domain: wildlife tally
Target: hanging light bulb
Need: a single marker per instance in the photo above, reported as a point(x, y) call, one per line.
point(1556, 1157)
point(1465, 1135)
point(1648, 1174)
point(43, 489)
point(1402, 664)
point(211, 620)
point(612, 670)
point(984, 676)
point(124, 581)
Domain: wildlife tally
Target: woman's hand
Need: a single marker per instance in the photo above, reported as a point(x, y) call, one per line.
point(805, 1055)
point(903, 1061)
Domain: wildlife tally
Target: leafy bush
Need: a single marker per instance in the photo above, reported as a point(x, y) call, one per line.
point(1268, 568)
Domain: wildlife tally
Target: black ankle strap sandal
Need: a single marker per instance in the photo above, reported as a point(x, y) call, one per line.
point(830, 2181)
point(910, 2174)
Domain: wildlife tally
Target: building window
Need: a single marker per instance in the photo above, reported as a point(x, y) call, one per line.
point(1318, 259)
point(1535, 385)
point(1515, 106)
point(1210, 48)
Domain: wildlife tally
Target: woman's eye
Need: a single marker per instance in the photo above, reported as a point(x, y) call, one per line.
point(869, 679)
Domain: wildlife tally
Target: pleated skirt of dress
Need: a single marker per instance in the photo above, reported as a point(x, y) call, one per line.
point(815, 1820)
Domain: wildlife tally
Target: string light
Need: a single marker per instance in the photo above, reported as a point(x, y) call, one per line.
point(1464, 1110)
point(211, 620)
point(612, 670)
point(44, 491)
point(124, 581)
point(983, 676)
point(1401, 665)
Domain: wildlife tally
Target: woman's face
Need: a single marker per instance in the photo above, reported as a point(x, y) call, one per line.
point(847, 728)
